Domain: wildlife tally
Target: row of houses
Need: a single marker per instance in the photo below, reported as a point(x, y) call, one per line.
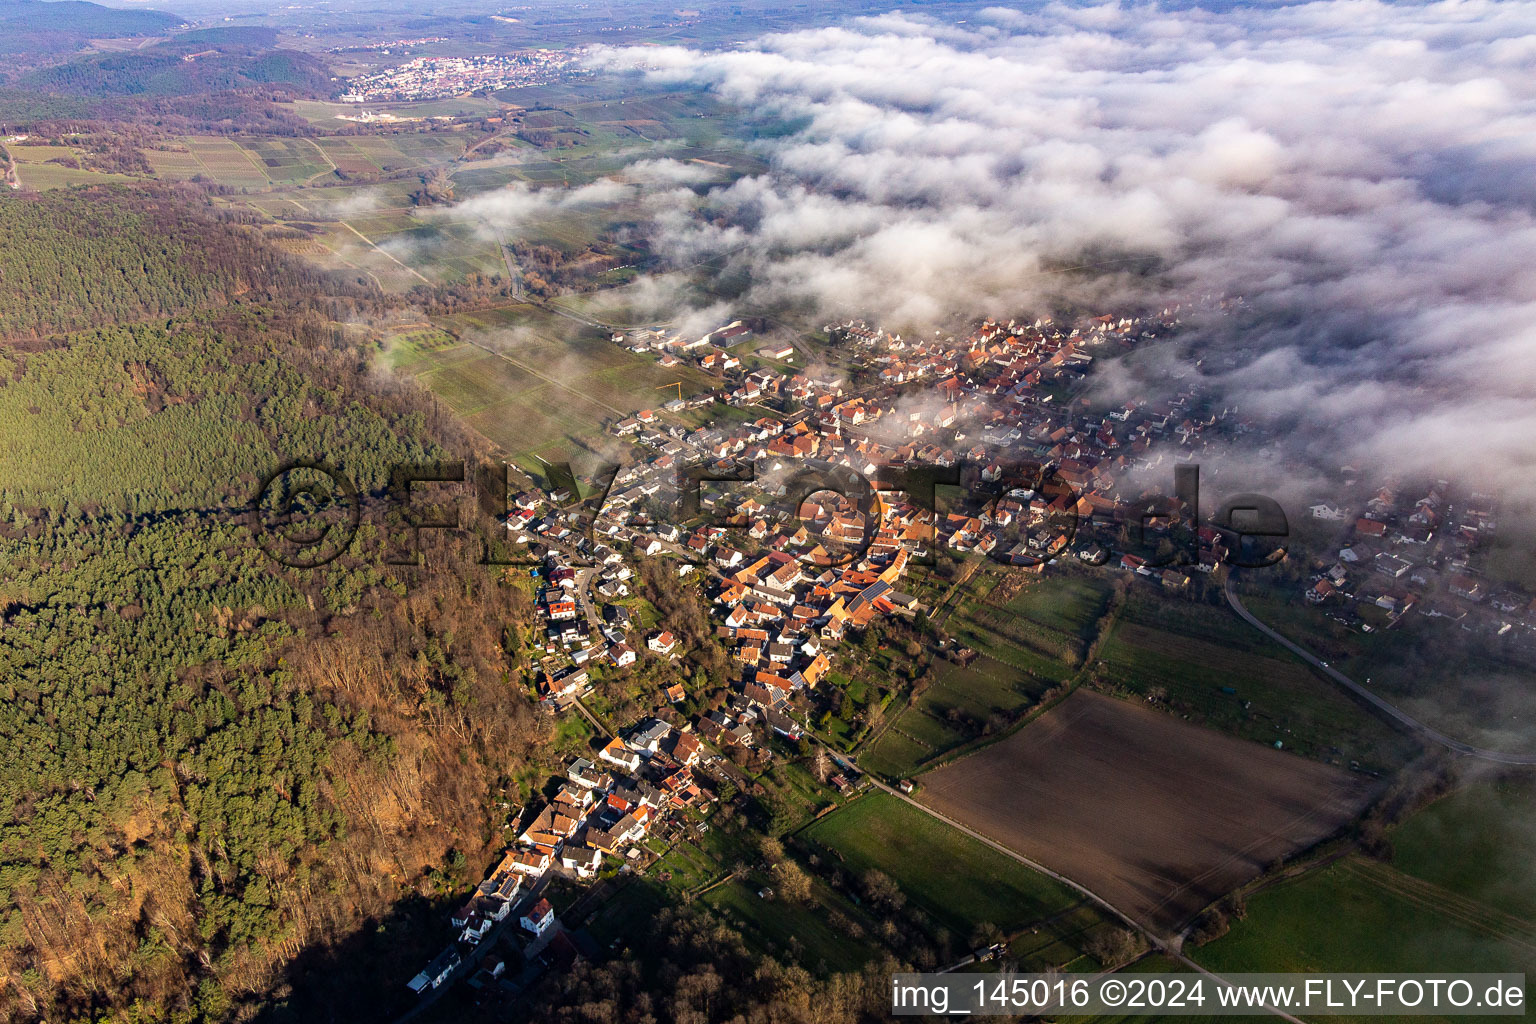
point(600, 809)
point(1417, 551)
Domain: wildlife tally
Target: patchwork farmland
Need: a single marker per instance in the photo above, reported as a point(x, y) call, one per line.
point(1157, 816)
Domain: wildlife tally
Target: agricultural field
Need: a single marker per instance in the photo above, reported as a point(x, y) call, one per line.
point(348, 158)
point(1359, 914)
point(374, 226)
point(1474, 843)
point(226, 162)
point(1457, 893)
point(1203, 661)
point(290, 160)
point(325, 114)
point(1158, 816)
point(1030, 635)
point(957, 880)
point(173, 164)
point(1043, 629)
point(35, 171)
point(538, 385)
point(631, 304)
point(801, 931)
point(1470, 686)
point(408, 348)
point(282, 164)
point(956, 708)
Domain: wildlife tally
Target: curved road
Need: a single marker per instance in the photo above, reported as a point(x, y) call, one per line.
point(1391, 711)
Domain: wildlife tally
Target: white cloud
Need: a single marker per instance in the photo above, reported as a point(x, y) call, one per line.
point(1363, 173)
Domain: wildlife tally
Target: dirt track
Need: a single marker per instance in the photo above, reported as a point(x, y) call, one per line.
point(1158, 816)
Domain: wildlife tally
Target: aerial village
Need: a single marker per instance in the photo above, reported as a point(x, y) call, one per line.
point(790, 575)
point(425, 78)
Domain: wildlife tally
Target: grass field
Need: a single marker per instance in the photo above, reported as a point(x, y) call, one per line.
point(1156, 815)
point(50, 176)
point(953, 711)
point(1360, 915)
point(1044, 629)
point(895, 755)
point(1466, 684)
point(802, 932)
point(1205, 662)
point(1477, 843)
point(957, 880)
point(540, 384)
point(34, 170)
point(411, 348)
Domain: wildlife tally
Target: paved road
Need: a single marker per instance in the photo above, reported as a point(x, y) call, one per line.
point(584, 596)
point(1392, 712)
point(1167, 946)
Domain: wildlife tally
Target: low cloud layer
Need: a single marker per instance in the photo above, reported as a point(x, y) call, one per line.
point(1362, 174)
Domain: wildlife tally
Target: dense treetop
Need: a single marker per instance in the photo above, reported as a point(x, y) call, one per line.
point(79, 258)
point(163, 72)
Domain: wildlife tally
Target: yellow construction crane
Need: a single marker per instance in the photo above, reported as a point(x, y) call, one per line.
point(675, 384)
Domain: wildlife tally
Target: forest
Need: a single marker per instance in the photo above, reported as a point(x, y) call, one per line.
point(112, 254)
point(162, 71)
point(215, 762)
point(33, 26)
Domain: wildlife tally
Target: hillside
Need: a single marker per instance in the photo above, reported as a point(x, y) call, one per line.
point(60, 26)
point(166, 73)
point(104, 255)
point(214, 762)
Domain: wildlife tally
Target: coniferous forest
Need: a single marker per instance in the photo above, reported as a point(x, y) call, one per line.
point(109, 254)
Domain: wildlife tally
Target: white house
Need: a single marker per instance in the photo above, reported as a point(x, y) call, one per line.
point(583, 860)
point(539, 918)
point(617, 752)
point(437, 972)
